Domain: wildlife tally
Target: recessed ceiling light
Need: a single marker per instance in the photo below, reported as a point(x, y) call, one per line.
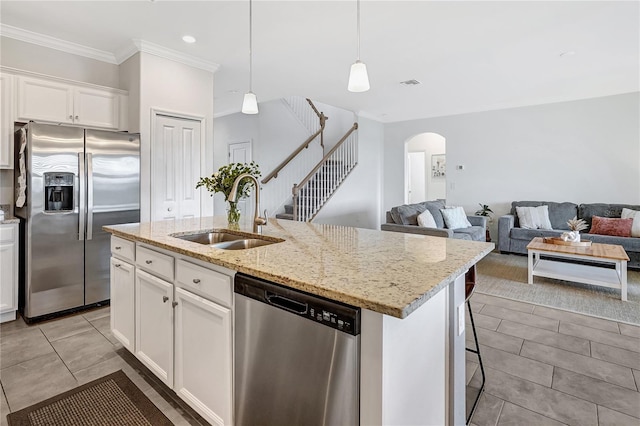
point(188, 39)
point(411, 82)
point(567, 53)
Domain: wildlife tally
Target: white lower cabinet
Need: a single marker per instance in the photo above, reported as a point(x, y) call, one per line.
point(203, 356)
point(180, 329)
point(122, 302)
point(8, 271)
point(154, 325)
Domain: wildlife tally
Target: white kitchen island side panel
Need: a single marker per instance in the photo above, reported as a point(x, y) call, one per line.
point(404, 367)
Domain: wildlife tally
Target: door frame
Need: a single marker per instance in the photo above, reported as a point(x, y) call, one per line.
point(155, 112)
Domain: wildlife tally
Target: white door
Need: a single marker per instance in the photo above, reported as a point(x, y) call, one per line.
point(416, 177)
point(175, 168)
point(203, 356)
point(241, 153)
point(6, 121)
point(122, 302)
point(154, 325)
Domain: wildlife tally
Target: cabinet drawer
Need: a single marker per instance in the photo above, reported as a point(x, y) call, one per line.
point(7, 233)
point(155, 263)
point(123, 249)
point(204, 282)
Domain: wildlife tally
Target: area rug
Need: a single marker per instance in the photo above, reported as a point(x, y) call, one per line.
point(110, 400)
point(505, 275)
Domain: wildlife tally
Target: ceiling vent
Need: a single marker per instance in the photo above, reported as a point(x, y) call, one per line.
point(411, 82)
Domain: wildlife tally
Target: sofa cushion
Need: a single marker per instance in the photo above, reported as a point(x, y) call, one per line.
point(455, 217)
point(407, 214)
point(630, 244)
point(530, 234)
point(559, 213)
point(587, 211)
point(425, 219)
point(534, 217)
point(475, 233)
point(635, 215)
point(611, 226)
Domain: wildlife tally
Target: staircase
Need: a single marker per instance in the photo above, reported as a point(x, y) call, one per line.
point(311, 192)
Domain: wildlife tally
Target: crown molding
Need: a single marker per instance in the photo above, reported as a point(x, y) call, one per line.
point(117, 58)
point(173, 55)
point(56, 43)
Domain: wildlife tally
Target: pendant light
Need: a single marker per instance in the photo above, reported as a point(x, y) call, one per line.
point(358, 77)
point(250, 103)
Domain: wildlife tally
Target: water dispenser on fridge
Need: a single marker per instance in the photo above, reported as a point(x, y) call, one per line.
point(58, 192)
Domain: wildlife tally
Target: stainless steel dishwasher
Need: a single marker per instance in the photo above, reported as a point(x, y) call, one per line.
point(296, 357)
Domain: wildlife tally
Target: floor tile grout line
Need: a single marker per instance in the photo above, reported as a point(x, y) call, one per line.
point(556, 390)
point(577, 372)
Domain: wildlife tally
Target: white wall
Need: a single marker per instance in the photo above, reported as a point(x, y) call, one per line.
point(357, 202)
point(274, 133)
point(31, 57)
point(430, 144)
point(178, 88)
point(581, 151)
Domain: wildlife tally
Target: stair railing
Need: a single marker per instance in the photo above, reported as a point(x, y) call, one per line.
point(319, 185)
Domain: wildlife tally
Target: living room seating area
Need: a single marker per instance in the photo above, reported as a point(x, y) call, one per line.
point(442, 221)
point(513, 238)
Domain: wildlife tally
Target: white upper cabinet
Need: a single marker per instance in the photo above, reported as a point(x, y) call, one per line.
point(44, 100)
point(60, 102)
point(6, 121)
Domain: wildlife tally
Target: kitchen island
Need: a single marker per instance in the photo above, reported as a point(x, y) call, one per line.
point(410, 289)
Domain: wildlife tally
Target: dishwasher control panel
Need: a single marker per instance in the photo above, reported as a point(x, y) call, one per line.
point(329, 313)
point(332, 319)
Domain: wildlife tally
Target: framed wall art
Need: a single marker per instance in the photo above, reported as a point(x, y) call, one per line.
point(438, 165)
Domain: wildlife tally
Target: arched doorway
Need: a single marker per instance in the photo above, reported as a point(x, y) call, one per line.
point(425, 168)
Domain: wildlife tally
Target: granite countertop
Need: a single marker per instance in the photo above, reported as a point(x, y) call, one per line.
point(8, 217)
point(387, 272)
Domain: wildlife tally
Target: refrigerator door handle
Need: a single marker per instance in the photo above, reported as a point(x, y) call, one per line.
point(89, 196)
point(82, 192)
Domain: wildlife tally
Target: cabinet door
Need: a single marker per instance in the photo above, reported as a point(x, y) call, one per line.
point(154, 325)
point(96, 108)
point(122, 302)
point(6, 121)
point(8, 272)
point(203, 356)
point(44, 100)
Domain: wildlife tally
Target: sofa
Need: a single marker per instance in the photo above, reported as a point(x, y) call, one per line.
point(514, 239)
point(404, 218)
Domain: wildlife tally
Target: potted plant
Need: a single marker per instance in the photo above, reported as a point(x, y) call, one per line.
point(222, 181)
point(486, 212)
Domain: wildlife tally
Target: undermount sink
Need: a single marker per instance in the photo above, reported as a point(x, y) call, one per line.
point(209, 238)
point(226, 241)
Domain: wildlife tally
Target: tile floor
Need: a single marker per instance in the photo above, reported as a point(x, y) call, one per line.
point(45, 359)
point(544, 366)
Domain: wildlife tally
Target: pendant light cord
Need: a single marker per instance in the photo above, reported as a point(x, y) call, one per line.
point(358, 26)
point(250, 46)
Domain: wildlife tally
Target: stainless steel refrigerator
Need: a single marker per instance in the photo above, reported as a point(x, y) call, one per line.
point(74, 181)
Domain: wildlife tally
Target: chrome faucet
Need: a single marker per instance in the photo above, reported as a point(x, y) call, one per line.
point(257, 220)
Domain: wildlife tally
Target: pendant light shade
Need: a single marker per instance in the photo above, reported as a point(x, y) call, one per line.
point(358, 77)
point(250, 102)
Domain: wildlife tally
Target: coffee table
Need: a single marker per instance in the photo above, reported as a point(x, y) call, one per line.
point(594, 274)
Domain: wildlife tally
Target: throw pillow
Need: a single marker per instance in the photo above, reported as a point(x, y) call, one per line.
point(616, 227)
point(425, 219)
point(635, 215)
point(534, 217)
point(455, 218)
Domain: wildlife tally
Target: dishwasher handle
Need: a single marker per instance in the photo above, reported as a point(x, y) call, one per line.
point(286, 303)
